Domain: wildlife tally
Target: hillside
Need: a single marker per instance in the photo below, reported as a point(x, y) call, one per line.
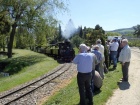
point(123, 31)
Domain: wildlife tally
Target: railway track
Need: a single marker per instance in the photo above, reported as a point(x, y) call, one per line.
point(25, 90)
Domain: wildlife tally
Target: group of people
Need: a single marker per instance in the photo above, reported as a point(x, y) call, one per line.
point(90, 66)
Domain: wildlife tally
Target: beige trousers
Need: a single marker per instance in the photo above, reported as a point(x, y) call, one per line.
point(101, 68)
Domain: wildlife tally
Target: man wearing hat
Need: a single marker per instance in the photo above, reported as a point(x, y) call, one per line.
point(84, 63)
point(113, 52)
point(101, 47)
point(99, 57)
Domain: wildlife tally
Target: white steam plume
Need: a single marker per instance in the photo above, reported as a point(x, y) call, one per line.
point(69, 30)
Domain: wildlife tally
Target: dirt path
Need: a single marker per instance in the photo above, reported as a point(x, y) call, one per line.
point(129, 93)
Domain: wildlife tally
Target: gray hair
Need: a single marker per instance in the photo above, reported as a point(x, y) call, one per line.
point(98, 41)
point(125, 40)
point(83, 47)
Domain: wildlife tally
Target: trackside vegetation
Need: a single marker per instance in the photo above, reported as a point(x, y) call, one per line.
point(23, 67)
point(70, 95)
point(135, 42)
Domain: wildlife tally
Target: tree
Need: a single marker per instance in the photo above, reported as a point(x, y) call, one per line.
point(97, 27)
point(76, 41)
point(40, 32)
point(4, 23)
point(4, 29)
point(113, 34)
point(92, 35)
point(59, 33)
point(84, 32)
point(137, 30)
point(80, 32)
point(26, 13)
point(97, 33)
point(23, 39)
point(103, 38)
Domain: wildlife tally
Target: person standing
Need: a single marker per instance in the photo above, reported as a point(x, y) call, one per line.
point(101, 49)
point(113, 52)
point(98, 55)
point(95, 62)
point(124, 58)
point(84, 63)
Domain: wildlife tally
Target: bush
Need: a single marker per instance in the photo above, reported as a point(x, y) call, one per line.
point(135, 43)
point(76, 41)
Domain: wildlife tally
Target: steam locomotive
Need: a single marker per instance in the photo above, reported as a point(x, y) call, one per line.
point(63, 51)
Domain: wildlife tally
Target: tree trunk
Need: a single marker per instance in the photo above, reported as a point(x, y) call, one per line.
point(11, 40)
point(3, 48)
point(3, 45)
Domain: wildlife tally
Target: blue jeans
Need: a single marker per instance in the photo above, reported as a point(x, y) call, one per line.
point(113, 55)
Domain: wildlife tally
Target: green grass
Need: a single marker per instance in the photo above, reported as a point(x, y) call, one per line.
point(25, 66)
point(76, 50)
point(135, 43)
point(70, 95)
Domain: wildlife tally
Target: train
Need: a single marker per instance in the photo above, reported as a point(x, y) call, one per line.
point(62, 51)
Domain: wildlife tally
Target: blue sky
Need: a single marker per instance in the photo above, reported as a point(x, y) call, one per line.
point(110, 14)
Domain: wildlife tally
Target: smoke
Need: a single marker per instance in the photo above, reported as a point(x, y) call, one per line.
point(70, 30)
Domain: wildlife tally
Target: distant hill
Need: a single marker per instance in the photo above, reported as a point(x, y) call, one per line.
point(123, 31)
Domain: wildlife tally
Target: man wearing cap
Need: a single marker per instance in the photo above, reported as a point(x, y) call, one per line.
point(101, 47)
point(113, 52)
point(84, 63)
point(98, 55)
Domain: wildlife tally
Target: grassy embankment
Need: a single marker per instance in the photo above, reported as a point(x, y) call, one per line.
point(25, 66)
point(70, 95)
point(135, 43)
point(76, 50)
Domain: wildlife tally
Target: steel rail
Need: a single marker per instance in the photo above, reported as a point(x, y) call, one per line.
point(30, 83)
point(17, 98)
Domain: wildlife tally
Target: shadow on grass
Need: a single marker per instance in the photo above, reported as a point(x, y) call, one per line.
point(76, 104)
point(123, 85)
point(14, 65)
point(97, 92)
point(112, 69)
point(3, 53)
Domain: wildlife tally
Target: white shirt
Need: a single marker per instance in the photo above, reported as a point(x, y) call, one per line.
point(114, 46)
point(125, 54)
point(101, 49)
